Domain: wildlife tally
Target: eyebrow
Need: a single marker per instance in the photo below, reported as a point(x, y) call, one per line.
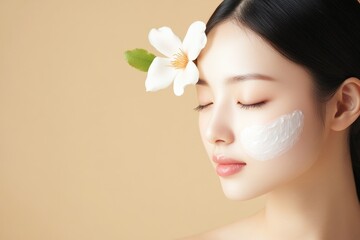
point(238, 78)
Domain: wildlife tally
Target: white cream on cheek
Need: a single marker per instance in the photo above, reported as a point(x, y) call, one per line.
point(268, 141)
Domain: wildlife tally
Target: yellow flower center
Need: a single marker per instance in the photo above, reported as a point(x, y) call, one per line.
point(180, 60)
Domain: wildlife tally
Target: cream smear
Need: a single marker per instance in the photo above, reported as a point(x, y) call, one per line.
point(265, 142)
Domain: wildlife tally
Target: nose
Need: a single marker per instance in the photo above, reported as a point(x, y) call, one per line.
point(219, 129)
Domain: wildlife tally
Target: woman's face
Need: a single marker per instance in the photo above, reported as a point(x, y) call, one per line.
point(259, 119)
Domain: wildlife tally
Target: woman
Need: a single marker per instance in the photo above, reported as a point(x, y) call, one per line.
point(279, 106)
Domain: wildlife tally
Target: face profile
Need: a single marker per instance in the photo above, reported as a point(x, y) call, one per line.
point(258, 114)
point(278, 89)
point(279, 106)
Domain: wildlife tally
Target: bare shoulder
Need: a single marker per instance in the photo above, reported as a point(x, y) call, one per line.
point(246, 228)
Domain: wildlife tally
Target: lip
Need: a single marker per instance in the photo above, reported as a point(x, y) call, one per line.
point(227, 166)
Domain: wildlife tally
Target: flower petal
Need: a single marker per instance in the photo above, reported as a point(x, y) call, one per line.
point(165, 41)
point(189, 76)
point(195, 40)
point(160, 74)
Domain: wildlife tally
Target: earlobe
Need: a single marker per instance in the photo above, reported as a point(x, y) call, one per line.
point(346, 104)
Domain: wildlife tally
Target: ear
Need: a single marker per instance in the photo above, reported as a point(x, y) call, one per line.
point(345, 104)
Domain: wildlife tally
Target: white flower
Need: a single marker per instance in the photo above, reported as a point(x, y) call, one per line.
point(178, 65)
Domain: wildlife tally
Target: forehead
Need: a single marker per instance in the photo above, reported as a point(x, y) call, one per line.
point(235, 50)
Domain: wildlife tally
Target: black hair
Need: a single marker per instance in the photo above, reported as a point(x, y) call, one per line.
point(323, 36)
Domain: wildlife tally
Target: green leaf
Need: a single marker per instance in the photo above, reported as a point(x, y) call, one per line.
point(139, 59)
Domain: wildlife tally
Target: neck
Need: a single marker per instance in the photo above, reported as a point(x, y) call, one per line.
point(321, 204)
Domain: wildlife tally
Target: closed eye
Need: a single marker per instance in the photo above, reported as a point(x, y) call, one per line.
point(254, 105)
point(201, 107)
point(243, 106)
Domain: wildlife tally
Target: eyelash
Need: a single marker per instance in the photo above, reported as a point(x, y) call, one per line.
point(243, 106)
point(201, 107)
point(255, 105)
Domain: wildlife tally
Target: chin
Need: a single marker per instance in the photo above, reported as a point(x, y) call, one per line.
point(235, 191)
point(237, 197)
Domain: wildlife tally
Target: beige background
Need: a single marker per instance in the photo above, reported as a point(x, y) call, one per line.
point(85, 152)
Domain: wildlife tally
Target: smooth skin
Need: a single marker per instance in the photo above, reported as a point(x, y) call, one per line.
point(310, 188)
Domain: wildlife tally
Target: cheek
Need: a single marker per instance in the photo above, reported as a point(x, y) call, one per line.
point(298, 150)
point(311, 139)
point(266, 142)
